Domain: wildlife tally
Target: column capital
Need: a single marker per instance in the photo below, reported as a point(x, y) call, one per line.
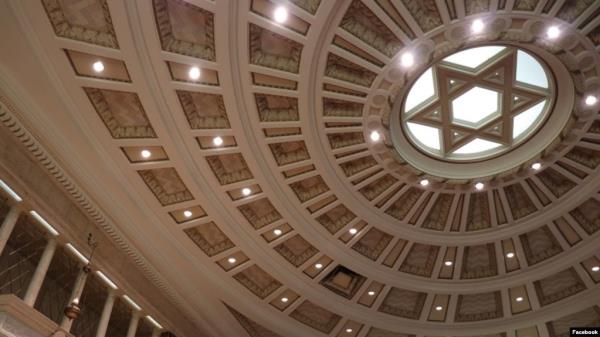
point(136, 313)
point(156, 332)
point(19, 206)
point(8, 225)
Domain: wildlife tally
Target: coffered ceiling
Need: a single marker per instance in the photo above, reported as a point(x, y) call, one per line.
point(237, 155)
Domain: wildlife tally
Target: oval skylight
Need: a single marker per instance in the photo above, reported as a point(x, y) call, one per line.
point(424, 90)
point(458, 108)
point(474, 57)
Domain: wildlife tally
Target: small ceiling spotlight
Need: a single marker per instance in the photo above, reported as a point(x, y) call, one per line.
point(536, 166)
point(424, 182)
point(194, 73)
point(479, 186)
point(218, 141)
point(595, 268)
point(519, 299)
point(477, 26)
point(284, 299)
point(318, 266)
point(439, 308)
point(146, 153)
point(246, 191)
point(187, 213)
point(407, 60)
point(448, 263)
point(371, 293)
point(591, 100)
point(353, 231)
point(349, 330)
point(553, 32)
point(231, 260)
point(280, 14)
point(510, 255)
point(277, 231)
point(375, 136)
point(98, 66)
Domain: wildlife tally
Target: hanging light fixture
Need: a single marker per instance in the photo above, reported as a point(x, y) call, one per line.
point(73, 310)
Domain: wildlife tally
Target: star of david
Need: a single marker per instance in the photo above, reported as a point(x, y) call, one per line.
point(495, 77)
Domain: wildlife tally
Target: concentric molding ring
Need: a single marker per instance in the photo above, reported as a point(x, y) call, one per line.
point(525, 152)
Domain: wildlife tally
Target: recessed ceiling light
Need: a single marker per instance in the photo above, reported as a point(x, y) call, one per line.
point(280, 14)
point(187, 213)
point(479, 186)
point(246, 191)
point(375, 136)
point(477, 26)
point(194, 73)
point(231, 260)
point(439, 308)
point(424, 182)
point(371, 293)
point(519, 299)
point(277, 231)
point(284, 299)
point(98, 66)
point(349, 330)
point(407, 60)
point(353, 231)
point(510, 255)
point(218, 141)
point(146, 153)
point(318, 266)
point(595, 268)
point(591, 100)
point(553, 32)
point(536, 166)
point(448, 263)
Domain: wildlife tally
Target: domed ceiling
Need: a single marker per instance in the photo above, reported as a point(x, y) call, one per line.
point(259, 155)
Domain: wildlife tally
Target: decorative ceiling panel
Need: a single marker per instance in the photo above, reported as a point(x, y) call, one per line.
point(296, 250)
point(479, 307)
point(403, 303)
point(204, 111)
point(185, 29)
point(122, 113)
point(257, 281)
point(166, 185)
point(209, 238)
point(343, 281)
point(315, 316)
point(83, 20)
point(254, 329)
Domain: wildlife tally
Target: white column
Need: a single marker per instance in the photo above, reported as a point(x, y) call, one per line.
point(75, 296)
point(133, 323)
point(8, 225)
point(40, 273)
point(106, 312)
